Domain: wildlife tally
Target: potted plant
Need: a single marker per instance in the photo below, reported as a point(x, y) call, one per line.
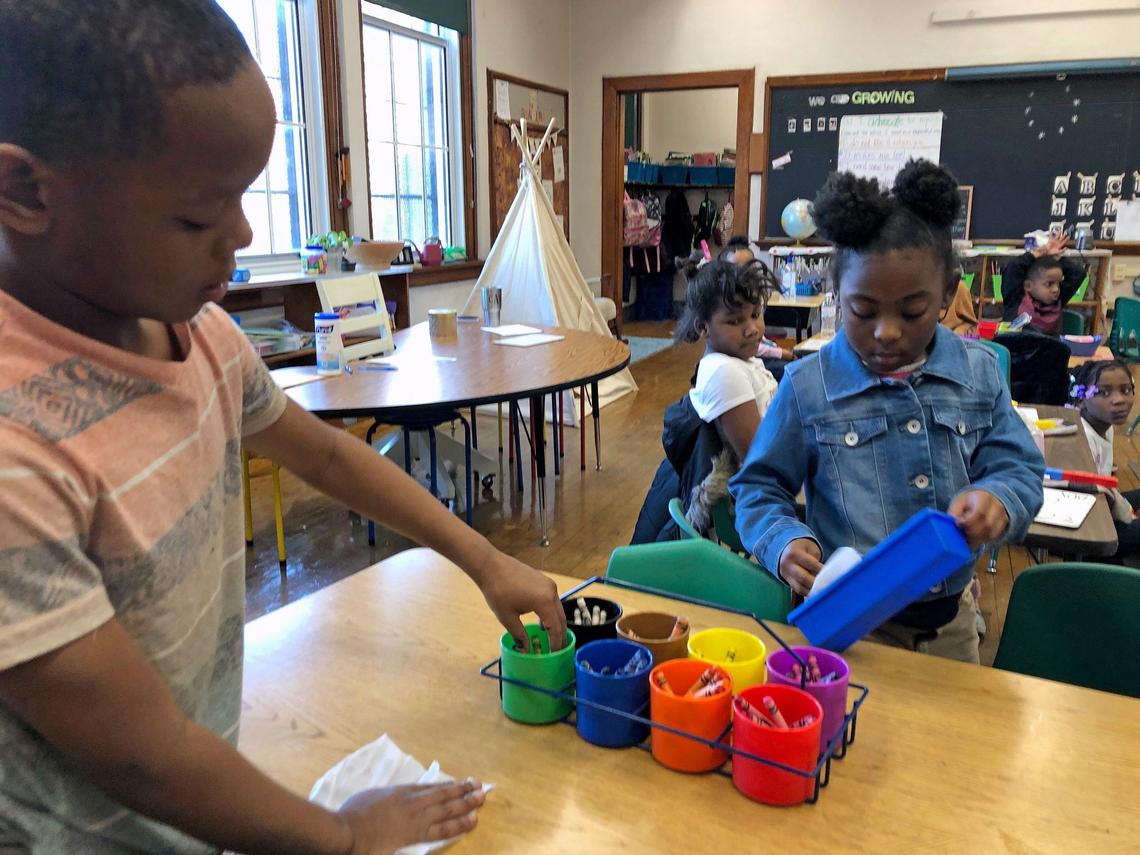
point(334, 244)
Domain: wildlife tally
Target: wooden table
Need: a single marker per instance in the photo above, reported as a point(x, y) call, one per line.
point(802, 306)
point(949, 757)
point(441, 376)
point(1102, 353)
point(813, 344)
point(1097, 534)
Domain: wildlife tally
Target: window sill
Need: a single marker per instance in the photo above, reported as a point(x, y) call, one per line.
point(456, 271)
point(417, 275)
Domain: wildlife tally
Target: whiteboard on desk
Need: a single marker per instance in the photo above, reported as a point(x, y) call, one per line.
point(1065, 508)
point(879, 145)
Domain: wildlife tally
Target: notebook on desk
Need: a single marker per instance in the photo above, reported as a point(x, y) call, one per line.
point(1065, 508)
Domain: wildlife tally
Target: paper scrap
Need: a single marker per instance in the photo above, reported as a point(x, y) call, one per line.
point(559, 163)
point(561, 222)
point(512, 329)
point(841, 561)
point(548, 189)
point(782, 161)
point(503, 100)
point(529, 340)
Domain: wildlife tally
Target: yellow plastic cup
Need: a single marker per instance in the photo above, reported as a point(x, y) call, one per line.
point(739, 653)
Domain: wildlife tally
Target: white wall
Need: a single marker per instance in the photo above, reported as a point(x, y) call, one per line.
point(695, 120)
point(623, 37)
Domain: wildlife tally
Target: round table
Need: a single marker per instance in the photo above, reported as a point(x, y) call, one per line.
point(434, 378)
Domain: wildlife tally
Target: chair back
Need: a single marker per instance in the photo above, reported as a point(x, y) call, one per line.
point(360, 301)
point(1075, 623)
point(1124, 337)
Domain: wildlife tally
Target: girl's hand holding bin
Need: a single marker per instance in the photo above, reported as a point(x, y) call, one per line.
point(800, 563)
point(980, 516)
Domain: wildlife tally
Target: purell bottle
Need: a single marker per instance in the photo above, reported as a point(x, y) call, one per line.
point(330, 348)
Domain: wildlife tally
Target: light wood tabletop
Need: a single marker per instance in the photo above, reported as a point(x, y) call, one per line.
point(1102, 353)
point(780, 301)
point(949, 757)
point(462, 372)
point(1097, 534)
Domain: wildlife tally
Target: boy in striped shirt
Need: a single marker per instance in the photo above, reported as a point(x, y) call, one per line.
point(128, 133)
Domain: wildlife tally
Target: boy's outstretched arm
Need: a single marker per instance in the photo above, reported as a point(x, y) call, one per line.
point(345, 468)
point(100, 702)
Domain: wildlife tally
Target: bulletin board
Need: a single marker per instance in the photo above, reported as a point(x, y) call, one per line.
point(1048, 151)
point(508, 100)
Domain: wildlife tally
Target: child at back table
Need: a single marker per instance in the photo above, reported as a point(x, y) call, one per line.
point(897, 414)
point(1041, 282)
point(129, 131)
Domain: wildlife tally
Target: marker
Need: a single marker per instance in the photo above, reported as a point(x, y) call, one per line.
point(1079, 477)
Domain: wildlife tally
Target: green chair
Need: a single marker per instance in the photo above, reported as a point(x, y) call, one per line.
point(1072, 322)
point(1124, 337)
point(1079, 294)
point(677, 512)
point(1004, 361)
point(968, 281)
point(724, 524)
point(995, 284)
point(1075, 623)
point(703, 570)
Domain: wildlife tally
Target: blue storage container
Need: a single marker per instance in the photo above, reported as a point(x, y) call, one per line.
point(634, 172)
point(650, 173)
point(674, 173)
point(702, 175)
point(921, 553)
point(726, 175)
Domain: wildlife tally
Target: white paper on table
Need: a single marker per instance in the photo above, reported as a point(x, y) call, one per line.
point(816, 342)
point(378, 764)
point(1065, 508)
point(840, 562)
point(503, 100)
point(512, 329)
point(559, 163)
point(1029, 414)
point(529, 340)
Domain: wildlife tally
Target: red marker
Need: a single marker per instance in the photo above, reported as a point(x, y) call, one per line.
point(813, 668)
point(751, 713)
point(774, 712)
point(1079, 477)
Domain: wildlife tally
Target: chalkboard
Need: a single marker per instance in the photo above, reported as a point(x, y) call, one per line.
point(1045, 152)
point(961, 228)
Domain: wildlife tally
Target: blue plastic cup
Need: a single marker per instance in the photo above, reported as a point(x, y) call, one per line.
point(626, 692)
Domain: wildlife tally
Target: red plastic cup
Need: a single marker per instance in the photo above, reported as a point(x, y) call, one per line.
point(987, 329)
point(797, 747)
point(831, 696)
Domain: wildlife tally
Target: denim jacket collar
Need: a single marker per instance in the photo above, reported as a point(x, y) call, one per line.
point(845, 375)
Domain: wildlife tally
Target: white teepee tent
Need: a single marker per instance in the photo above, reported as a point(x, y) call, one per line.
point(535, 268)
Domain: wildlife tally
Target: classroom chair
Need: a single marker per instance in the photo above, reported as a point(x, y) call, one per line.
point(724, 526)
point(677, 512)
point(995, 285)
point(1072, 322)
point(1124, 337)
point(968, 281)
point(699, 568)
point(1004, 363)
point(1039, 367)
point(1079, 294)
point(1075, 623)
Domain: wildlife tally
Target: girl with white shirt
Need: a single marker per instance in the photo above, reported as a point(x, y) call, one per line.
point(1103, 394)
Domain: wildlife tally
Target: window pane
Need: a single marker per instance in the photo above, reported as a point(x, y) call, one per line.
point(436, 201)
point(381, 169)
point(378, 83)
point(283, 211)
point(406, 71)
point(269, 36)
point(410, 181)
point(384, 218)
point(433, 95)
point(257, 212)
point(242, 13)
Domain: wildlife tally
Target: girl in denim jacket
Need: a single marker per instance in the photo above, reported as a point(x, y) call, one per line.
point(896, 414)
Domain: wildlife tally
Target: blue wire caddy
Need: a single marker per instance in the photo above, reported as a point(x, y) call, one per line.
point(836, 748)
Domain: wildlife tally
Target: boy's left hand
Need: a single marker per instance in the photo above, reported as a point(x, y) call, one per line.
point(511, 589)
point(980, 516)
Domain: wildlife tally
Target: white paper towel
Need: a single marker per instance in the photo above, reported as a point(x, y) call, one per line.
point(841, 560)
point(378, 764)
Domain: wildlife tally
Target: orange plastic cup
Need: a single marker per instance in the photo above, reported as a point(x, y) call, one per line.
point(704, 717)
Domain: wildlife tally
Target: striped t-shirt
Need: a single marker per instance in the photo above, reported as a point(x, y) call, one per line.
point(120, 496)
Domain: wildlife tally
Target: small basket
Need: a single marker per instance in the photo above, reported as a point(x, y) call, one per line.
point(1080, 347)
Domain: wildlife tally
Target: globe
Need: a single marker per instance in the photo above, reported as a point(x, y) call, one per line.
point(797, 220)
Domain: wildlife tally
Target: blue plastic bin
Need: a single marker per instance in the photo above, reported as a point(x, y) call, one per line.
point(650, 173)
point(702, 175)
point(921, 553)
point(726, 175)
point(674, 173)
point(634, 170)
point(627, 692)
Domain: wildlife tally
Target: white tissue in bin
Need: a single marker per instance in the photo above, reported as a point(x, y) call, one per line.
point(378, 764)
point(841, 560)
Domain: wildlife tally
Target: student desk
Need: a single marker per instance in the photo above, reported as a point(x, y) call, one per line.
point(1097, 534)
point(812, 345)
point(949, 757)
point(801, 306)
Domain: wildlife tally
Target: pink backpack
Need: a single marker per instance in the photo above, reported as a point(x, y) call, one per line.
point(639, 230)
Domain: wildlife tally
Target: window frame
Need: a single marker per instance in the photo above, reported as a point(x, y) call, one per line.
point(458, 214)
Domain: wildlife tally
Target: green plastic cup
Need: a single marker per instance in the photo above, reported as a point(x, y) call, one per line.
point(553, 671)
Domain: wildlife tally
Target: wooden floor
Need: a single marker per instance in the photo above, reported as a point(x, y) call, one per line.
point(590, 512)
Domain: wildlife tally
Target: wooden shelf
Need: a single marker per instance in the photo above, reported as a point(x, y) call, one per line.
point(659, 186)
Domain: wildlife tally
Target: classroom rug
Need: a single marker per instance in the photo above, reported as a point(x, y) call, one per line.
point(641, 347)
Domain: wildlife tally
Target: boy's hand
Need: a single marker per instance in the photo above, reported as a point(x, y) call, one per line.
point(980, 516)
point(511, 589)
point(800, 564)
point(384, 820)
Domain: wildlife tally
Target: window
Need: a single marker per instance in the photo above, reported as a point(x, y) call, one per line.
point(411, 87)
point(278, 204)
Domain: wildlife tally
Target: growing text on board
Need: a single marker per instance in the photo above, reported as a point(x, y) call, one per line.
point(887, 96)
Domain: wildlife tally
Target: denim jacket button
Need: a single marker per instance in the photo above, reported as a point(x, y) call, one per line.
point(852, 438)
point(913, 426)
point(962, 428)
point(922, 482)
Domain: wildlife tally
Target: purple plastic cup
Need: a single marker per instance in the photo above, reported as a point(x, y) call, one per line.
point(831, 696)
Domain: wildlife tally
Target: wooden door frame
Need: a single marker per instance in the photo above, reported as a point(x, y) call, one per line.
point(742, 79)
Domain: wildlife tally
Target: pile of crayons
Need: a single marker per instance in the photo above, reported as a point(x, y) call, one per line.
point(638, 662)
point(711, 682)
point(585, 616)
point(774, 717)
point(680, 627)
point(814, 675)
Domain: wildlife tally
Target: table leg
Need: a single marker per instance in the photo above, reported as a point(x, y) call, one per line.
point(474, 430)
point(469, 499)
point(554, 434)
point(517, 430)
point(582, 424)
point(538, 439)
point(278, 517)
point(247, 499)
point(500, 422)
point(432, 461)
point(597, 426)
point(561, 423)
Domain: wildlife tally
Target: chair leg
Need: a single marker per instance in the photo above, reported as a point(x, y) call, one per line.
point(278, 516)
point(247, 499)
point(992, 567)
point(1132, 426)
